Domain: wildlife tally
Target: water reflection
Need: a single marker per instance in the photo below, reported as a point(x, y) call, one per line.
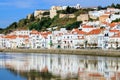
point(47, 66)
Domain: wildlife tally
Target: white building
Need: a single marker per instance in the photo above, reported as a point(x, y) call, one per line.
point(97, 13)
point(114, 17)
point(114, 41)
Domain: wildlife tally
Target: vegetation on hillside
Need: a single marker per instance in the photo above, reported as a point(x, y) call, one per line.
point(73, 25)
point(117, 20)
point(110, 6)
point(114, 5)
point(75, 11)
point(21, 24)
point(69, 10)
point(46, 22)
point(42, 24)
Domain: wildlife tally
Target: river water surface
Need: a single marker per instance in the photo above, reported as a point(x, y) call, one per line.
point(21, 66)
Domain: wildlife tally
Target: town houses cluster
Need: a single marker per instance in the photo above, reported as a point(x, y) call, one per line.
point(100, 33)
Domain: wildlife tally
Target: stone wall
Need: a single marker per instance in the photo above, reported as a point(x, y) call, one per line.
point(83, 17)
point(66, 16)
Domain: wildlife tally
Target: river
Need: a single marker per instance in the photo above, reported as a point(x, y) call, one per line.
point(33, 66)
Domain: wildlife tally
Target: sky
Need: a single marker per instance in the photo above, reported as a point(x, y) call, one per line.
point(14, 10)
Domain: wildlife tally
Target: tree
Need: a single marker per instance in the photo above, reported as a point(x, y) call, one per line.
point(73, 25)
point(69, 10)
point(22, 22)
point(32, 18)
point(46, 13)
point(118, 6)
point(44, 23)
point(117, 20)
point(12, 26)
point(113, 5)
point(99, 8)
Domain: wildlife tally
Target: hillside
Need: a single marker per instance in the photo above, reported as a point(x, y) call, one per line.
point(46, 22)
point(37, 24)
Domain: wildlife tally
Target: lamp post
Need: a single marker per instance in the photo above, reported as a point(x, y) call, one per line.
point(86, 42)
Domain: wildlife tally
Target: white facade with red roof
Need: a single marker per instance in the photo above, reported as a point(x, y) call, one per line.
point(87, 28)
point(114, 41)
point(97, 38)
point(2, 41)
point(73, 39)
point(103, 35)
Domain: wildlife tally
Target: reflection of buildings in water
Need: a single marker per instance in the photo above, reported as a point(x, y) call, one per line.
point(63, 64)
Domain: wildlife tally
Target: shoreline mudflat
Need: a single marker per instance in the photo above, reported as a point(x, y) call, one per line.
point(89, 52)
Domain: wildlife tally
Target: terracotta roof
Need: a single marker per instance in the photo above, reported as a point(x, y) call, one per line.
point(95, 75)
point(113, 78)
point(81, 32)
point(116, 35)
point(95, 31)
point(107, 12)
point(23, 36)
point(87, 26)
point(104, 16)
point(114, 30)
point(45, 34)
point(34, 32)
point(10, 36)
point(105, 23)
point(112, 24)
point(1, 36)
point(77, 31)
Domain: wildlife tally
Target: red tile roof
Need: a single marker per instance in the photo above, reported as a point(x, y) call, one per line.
point(106, 16)
point(95, 31)
point(11, 36)
point(116, 35)
point(112, 24)
point(34, 32)
point(77, 31)
point(95, 75)
point(107, 12)
point(87, 26)
point(45, 34)
point(113, 78)
point(114, 30)
point(105, 23)
point(23, 36)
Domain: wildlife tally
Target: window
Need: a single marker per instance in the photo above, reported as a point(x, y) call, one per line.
point(65, 42)
point(50, 37)
point(106, 34)
point(68, 37)
point(37, 36)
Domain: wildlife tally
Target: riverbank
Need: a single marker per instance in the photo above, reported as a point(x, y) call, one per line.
point(90, 52)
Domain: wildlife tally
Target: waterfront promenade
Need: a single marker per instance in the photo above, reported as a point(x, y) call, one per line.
point(89, 52)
